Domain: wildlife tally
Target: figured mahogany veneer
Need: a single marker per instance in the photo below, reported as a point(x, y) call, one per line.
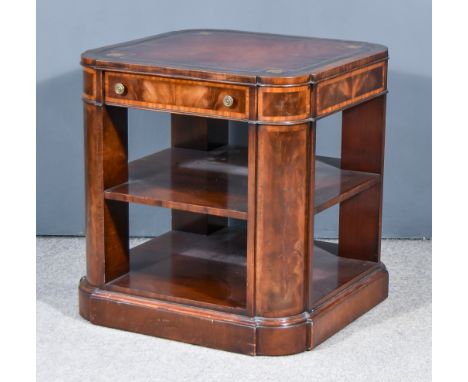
point(173, 94)
point(337, 93)
point(277, 104)
point(265, 288)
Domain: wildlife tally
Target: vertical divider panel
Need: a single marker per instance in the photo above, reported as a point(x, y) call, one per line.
point(362, 149)
point(106, 166)
point(198, 133)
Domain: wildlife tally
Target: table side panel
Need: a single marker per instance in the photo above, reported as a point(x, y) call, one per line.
point(356, 86)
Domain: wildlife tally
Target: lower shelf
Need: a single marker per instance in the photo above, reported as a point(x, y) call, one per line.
point(202, 270)
point(210, 270)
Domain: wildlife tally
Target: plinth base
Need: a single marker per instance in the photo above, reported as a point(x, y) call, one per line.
point(236, 332)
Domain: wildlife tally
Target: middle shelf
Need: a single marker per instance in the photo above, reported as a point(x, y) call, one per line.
point(215, 182)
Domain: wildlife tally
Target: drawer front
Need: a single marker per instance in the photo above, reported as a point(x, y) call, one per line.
point(206, 98)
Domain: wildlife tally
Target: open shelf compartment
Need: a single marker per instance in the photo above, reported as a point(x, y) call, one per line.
point(204, 270)
point(215, 182)
point(210, 270)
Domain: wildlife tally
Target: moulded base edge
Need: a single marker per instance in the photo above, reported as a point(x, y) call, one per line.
point(232, 332)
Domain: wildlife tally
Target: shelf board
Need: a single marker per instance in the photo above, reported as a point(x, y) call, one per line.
point(210, 270)
point(215, 182)
point(332, 273)
point(334, 185)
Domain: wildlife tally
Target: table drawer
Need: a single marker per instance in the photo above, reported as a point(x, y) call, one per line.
point(207, 98)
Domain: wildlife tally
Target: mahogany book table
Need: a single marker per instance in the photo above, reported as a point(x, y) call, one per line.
point(265, 286)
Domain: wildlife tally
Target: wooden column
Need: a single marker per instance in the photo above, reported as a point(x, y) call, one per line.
point(252, 216)
point(362, 149)
point(310, 213)
point(106, 165)
point(198, 133)
point(281, 255)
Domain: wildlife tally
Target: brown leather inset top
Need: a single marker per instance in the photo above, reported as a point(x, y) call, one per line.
point(234, 56)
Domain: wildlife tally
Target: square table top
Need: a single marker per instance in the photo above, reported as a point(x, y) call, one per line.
point(244, 57)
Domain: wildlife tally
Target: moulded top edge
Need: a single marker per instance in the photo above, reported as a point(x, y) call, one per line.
point(235, 56)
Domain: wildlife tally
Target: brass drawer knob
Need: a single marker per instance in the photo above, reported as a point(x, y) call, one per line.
point(119, 88)
point(228, 101)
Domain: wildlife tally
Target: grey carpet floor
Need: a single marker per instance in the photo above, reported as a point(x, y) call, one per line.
point(392, 342)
